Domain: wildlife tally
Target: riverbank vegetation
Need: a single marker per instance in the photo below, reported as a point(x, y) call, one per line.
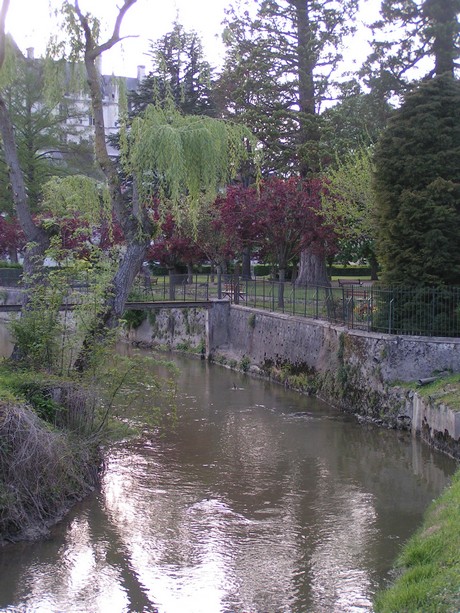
point(428, 567)
point(444, 390)
point(53, 429)
point(43, 471)
point(429, 564)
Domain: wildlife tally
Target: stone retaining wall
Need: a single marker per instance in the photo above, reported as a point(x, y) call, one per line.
point(358, 371)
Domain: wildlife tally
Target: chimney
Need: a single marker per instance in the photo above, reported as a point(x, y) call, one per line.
point(30, 53)
point(140, 73)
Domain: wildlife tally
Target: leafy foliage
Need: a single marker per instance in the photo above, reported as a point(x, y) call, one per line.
point(349, 206)
point(11, 236)
point(353, 124)
point(418, 188)
point(280, 218)
point(175, 245)
point(279, 70)
point(181, 158)
point(47, 143)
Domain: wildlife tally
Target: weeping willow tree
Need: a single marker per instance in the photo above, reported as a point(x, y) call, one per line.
point(172, 158)
point(182, 160)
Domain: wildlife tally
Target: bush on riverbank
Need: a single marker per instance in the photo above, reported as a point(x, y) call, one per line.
point(42, 472)
point(430, 562)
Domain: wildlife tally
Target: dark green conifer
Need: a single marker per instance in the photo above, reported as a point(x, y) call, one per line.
point(417, 186)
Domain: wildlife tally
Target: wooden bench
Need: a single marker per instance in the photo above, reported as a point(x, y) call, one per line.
point(229, 292)
point(356, 290)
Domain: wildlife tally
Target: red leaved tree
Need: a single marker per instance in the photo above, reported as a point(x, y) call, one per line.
point(281, 218)
point(12, 238)
point(173, 247)
point(240, 222)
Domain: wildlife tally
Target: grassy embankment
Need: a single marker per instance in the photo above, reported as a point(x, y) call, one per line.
point(429, 564)
point(43, 468)
point(52, 429)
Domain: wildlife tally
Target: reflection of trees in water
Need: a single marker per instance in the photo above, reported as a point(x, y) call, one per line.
point(259, 495)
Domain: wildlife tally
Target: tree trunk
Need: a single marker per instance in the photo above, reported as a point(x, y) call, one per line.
point(374, 266)
point(236, 284)
point(189, 273)
point(312, 270)
point(13, 255)
point(108, 316)
point(444, 26)
point(145, 270)
point(172, 282)
point(130, 214)
point(309, 136)
point(246, 264)
point(36, 237)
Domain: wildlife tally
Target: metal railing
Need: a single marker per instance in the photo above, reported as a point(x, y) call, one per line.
point(364, 306)
point(408, 311)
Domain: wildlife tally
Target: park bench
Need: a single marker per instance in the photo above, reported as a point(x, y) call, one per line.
point(358, 292)
point(229, 292)
point(348, 282)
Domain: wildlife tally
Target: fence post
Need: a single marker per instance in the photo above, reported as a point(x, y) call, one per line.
point(219, 281)
point(352, 307)
point(390, 313)
point(236, 285)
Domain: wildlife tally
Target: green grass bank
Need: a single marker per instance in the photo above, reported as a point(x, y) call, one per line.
point(429, 564)
point(428, 567)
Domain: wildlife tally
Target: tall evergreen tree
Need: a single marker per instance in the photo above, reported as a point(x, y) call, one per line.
point(279, 71)
point(180, 74)
point(417, 185)
point(413, 39)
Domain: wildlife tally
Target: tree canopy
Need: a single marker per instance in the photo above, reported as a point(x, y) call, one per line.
point(180, 75)
point(417, 183)
point(280, 68)
point(413, 39)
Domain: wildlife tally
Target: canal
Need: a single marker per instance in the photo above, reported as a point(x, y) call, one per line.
point(259, 501)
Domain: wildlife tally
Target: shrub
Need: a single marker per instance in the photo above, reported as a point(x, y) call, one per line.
point(41, 472)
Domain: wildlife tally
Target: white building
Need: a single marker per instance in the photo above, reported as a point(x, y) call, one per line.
point(81, 121)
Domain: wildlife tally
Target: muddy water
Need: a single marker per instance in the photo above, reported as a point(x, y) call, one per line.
point(260, 501)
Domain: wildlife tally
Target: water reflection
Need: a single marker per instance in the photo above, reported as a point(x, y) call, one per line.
point(260, 501)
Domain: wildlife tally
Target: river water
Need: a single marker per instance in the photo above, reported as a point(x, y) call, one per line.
point(260, 501)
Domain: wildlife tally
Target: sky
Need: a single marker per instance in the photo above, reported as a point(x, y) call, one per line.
point(29, 23)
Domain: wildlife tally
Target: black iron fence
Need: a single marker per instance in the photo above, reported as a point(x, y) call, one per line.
point(364, 306)
point(409, 311)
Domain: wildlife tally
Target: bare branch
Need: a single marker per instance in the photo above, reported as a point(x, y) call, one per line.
point(85, 25)
point(94, 50)
point(110, 43)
